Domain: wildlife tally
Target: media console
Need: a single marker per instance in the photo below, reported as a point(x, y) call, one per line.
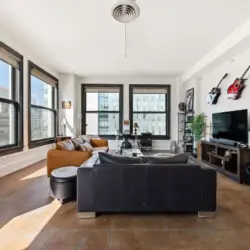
point(229, 160)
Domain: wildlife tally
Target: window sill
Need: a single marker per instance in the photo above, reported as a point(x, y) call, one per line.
point(39, 143)
point(11, 150)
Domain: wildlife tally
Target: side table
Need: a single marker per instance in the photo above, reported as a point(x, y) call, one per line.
point(63, 183)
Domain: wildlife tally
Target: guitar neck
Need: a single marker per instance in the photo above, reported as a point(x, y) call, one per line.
point(222, 79)
point(245, 72)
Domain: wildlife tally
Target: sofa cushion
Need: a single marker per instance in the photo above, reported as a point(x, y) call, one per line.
point(97, 142)
point(85, 147)
point(101, 149)
point(180, 158)
point(86, 138)
point(77, 142)
point(106, 158)
point(65, 145)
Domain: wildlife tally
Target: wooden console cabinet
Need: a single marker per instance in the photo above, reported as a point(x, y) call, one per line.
point(231, 161)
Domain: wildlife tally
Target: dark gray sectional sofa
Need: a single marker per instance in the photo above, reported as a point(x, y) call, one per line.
point(145, 187)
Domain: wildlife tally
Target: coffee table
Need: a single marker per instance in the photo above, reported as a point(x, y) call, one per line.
point(128, 152)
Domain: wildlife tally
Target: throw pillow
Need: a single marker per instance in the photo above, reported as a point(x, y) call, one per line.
point(86, 138)
point(77, 142)
point(106, 158)
point(65, 145)
point(181, 158)
point(85, 147)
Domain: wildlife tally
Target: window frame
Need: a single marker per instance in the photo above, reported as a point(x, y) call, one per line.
point(167, 108)
point(18, 104)
point(84, 106)
point(54, 109)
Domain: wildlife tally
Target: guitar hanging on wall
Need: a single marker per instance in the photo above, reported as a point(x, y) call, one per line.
point(234, 91)
point(215, 93)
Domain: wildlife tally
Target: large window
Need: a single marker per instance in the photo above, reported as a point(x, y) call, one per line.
point(102, 109)
point(11, 102)
point(150, 109)
point(42, 106)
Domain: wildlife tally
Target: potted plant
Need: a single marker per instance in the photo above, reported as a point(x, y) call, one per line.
point(198, 124)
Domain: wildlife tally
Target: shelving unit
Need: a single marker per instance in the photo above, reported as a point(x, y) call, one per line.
point(231, 161)
point(185, 135)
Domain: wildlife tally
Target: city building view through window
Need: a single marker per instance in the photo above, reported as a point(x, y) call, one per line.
point(102, 113)
point(7, 126)
point(42, 119)
point(145, 113)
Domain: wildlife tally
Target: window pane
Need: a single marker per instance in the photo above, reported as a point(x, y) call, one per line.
point(5, 80)
point(102, 123)
point(7, 124)
point(42, 124)
point(41, 93)
point(149, 102)
point(153, 123)
point(102, 101)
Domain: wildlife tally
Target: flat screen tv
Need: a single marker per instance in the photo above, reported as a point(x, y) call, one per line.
point(231, 125)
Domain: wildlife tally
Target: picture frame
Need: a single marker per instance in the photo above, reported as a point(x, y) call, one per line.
point(190, 100)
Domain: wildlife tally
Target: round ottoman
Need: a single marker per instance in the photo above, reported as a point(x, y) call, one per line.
point(63, 183)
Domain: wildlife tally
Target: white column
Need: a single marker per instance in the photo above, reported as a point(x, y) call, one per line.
point(68, 91)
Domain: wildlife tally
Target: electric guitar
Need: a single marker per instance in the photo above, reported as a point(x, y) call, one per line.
point(234, 91)
point(215, 93)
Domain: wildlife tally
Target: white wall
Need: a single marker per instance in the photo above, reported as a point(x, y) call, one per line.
point(204, 83)
point(13, 162)
point(125, 80)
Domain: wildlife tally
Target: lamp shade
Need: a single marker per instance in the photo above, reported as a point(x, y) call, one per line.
point(66, 104)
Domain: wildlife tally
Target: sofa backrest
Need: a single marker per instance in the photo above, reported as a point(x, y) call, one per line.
point(138, 185)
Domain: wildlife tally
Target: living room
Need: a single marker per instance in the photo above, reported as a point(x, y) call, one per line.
point(114, 138)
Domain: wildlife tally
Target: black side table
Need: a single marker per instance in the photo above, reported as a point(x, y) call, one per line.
point(63, 183)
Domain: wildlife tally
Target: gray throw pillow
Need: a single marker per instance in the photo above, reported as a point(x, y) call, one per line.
point(176, 159)
point(106, 158)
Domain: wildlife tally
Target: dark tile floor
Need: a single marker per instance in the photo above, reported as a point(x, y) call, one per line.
point(30, 219)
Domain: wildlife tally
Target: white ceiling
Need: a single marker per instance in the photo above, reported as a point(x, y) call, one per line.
point(80, 36)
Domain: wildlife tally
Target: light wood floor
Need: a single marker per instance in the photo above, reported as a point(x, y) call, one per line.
point(29, 219)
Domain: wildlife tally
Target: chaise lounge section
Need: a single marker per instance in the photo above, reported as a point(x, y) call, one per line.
point(73, 152)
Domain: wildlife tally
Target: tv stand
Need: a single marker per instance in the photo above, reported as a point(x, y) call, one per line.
point(229, 160)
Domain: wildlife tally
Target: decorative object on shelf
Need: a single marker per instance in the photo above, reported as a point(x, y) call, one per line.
point(214, 94)
point(234, 91)
point(66, 105)
point(190, 100)
point(182, 106)
point(136, 126)
point(198, 125)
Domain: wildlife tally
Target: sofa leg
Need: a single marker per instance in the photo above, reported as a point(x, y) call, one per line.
point(203, 214)
point(86, 215)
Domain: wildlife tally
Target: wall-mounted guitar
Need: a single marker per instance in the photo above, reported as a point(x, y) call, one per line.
point(215, 93)
point(234, 91)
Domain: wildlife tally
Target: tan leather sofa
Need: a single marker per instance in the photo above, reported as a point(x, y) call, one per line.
point(69, 152)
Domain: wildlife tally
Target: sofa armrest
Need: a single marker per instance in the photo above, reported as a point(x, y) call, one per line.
point(85, 189)
point(99, 142)
point(63, 158)
point(209, 189)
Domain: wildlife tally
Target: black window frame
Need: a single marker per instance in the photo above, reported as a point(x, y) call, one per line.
point(167, 108)
point(17, 102)
point(84, 106)
point(54, 109)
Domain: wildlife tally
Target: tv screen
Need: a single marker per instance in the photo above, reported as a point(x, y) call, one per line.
point(231, 125)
